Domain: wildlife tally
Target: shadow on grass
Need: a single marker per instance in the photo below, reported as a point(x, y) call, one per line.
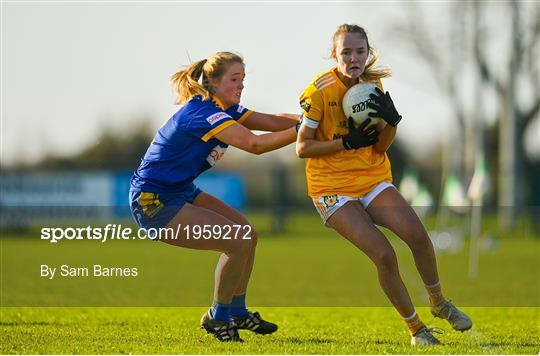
point(307, 340)
point(383, 342)
point(508, 344)
point(30, 323)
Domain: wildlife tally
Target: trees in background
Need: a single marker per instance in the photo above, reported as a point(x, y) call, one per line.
point(498, 62)
point(112, 150)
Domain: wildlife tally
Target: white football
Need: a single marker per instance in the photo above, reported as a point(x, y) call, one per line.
point(355, 103)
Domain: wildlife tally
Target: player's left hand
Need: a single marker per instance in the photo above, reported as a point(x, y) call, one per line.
point(384, 106)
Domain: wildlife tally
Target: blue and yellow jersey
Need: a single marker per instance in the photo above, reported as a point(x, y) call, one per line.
point(353, 172)
point(185, 146)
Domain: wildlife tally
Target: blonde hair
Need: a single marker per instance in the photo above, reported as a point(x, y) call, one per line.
point(186, 81)
point(371, 72)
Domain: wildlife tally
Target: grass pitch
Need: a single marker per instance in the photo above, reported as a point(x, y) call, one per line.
point(322, 293)
point(343, 330)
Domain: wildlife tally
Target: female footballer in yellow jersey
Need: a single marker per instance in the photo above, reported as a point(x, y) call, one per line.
point(350, 180)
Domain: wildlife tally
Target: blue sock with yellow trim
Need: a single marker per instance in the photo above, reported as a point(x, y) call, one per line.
point(238, 306)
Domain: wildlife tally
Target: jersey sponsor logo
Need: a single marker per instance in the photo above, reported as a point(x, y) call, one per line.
point(341, 125)
point(332, 103)
point(216, 154)
point(305, 105)
point(330, 200)
point(212, 119)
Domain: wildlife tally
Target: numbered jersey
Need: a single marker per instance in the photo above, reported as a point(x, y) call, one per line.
point(185, 146)
point(351, 173)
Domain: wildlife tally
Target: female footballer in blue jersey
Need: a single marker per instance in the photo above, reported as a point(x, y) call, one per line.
point(349, 179)
point(162, 192)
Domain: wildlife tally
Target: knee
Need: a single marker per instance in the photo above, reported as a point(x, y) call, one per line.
point(418, 240)
point(386, 260)
point(250, 238)
point(239, 248)
point(254, 238)
point(245, 243)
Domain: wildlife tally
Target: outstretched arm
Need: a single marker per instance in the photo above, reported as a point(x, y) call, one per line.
point(272, 123)
point(242, 138)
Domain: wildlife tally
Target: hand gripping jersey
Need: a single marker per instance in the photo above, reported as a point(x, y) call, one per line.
point(185, 146)
point(353, 172)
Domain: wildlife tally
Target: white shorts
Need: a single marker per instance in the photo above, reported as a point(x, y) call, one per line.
point(328, 205)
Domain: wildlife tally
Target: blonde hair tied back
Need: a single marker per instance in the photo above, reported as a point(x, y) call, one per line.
point(197, 78)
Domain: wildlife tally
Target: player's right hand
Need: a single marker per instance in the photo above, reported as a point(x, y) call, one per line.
point(360, 136)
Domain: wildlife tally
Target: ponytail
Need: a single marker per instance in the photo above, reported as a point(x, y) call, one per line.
point(186, 83)
point(372, 73)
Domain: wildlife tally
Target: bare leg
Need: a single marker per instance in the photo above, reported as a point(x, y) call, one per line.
point(389, 209)
point(353, 223)
point(244, 319)
point(209, 202)
point(237, 252)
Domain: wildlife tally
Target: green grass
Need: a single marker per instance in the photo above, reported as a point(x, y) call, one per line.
point(302, 331)
point(326, 269)
point(321, 291)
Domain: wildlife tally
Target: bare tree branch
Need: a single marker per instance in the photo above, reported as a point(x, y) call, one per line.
point(530, 114)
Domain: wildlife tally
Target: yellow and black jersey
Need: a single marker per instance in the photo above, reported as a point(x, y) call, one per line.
point(353, 172)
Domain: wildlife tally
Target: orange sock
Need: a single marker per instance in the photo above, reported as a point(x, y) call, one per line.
point(414, 323)
point(435, 294)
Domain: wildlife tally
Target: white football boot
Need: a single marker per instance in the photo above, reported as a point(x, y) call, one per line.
point(424, 337)
point(458, 319)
